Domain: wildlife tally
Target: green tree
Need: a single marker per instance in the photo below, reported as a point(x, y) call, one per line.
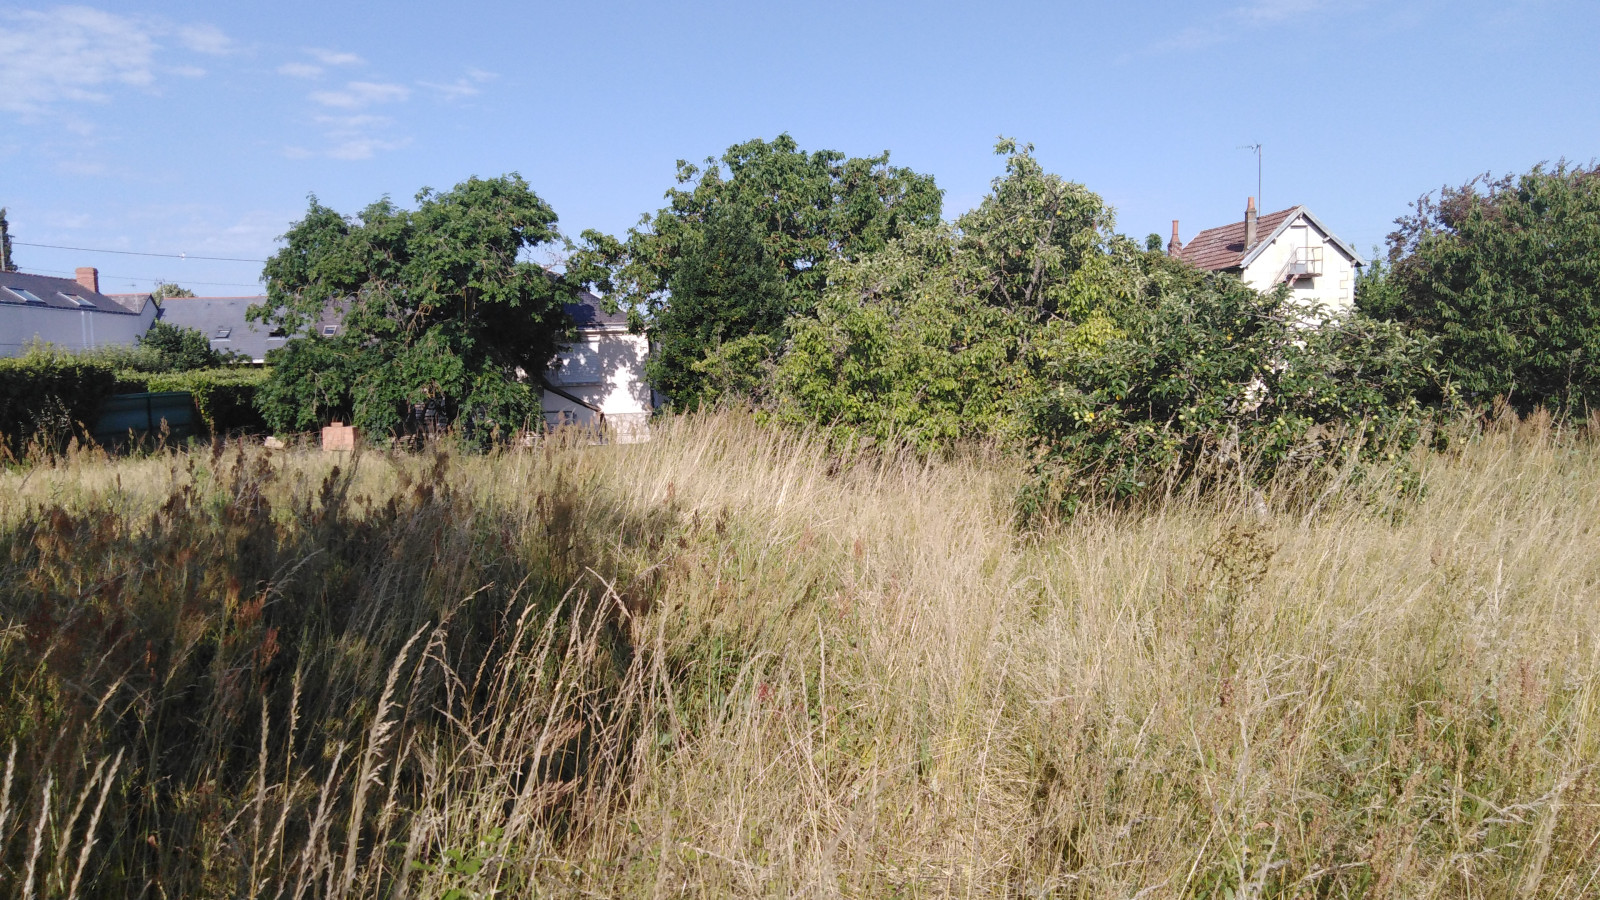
point(939, 337)
point(1506, 273)
point(443, 316)
point(5, 243)
point(1209, 381)
point(168, 289)
point(743, 244)
point(180, 348)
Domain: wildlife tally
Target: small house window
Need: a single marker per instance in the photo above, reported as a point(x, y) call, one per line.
point(80, 301)
point(329, 330)
point(224, 333)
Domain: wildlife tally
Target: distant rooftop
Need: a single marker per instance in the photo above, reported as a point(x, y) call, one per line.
point(590, 313)
point(1223, 247)
point(222, 320)
point(22, 289)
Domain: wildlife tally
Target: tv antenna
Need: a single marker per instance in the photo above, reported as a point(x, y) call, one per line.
point(1257, 148)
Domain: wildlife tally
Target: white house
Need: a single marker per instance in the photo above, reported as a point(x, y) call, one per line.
point(67, 312)
point(599, 381)
point(1291, 246)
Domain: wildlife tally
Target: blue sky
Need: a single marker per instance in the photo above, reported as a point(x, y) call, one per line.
point(200, 128)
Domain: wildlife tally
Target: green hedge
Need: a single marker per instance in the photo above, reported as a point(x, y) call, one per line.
point(50, 397)
point(226, 398)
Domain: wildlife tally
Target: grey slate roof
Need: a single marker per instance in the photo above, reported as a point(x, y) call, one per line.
point(56, 293)
point(591, 314)
point(222, 319)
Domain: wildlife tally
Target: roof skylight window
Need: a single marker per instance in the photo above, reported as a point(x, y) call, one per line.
point(329, 330)
point(80, 301)
point(223, 333)
point(26, 295)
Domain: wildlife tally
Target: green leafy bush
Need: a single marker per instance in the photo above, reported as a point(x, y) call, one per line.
point(938, 338)
point(181, 348)
point(1506, 273)
point(225, 397)
point(49, 396)
point(1212, 382)
point(163, 348)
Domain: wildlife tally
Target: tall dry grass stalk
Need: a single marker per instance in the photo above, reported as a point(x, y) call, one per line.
point(732, 663)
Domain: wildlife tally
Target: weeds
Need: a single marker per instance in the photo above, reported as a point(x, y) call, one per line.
point(730, 662)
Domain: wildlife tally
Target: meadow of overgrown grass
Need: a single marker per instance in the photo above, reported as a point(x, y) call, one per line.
point(733, 663)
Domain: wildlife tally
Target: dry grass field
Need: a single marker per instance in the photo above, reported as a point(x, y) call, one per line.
point(729, 663)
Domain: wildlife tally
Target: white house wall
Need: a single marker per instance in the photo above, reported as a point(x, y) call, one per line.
point(1334, 288)
point(605, 369)
point(73, 329)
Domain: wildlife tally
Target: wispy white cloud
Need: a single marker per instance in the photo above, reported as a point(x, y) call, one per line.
point(461, 87)
point(325, 59)
point(348, 124)
point(205, 39)
point(1241, 20)
point(358, 135)
point(361, 94)
point(70, 54)
point(74, 54)
point(334, 57)
point(364, 148)
point(1267, 11)
point(455, 90)
point(300, 70)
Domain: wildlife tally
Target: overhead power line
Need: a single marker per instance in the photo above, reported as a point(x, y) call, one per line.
point(16, 243)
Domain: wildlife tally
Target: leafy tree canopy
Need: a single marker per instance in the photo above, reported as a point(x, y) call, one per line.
point(168, 289)
point(443, 314)
point(940, 336)
point(1208, 381)
point(1506, 273)
point(744, 243)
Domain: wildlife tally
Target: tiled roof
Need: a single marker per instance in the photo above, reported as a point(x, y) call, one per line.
point(591, 314)
point(132, 302)
point(1222, 248)
point(222, 319)
point(20, 288)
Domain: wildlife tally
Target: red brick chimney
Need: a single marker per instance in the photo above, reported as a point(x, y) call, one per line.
point(1250, 224)
point(89, 277)
point(1174, 246)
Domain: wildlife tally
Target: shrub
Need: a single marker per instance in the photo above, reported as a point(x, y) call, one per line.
point(163, 348)
point(49, 396)
point(225, 398)
point(938, 338)
point(1506, 273)
point(1215, 381)
point(180, 348)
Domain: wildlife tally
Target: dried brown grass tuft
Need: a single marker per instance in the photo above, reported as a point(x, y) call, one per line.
point(732, 663)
